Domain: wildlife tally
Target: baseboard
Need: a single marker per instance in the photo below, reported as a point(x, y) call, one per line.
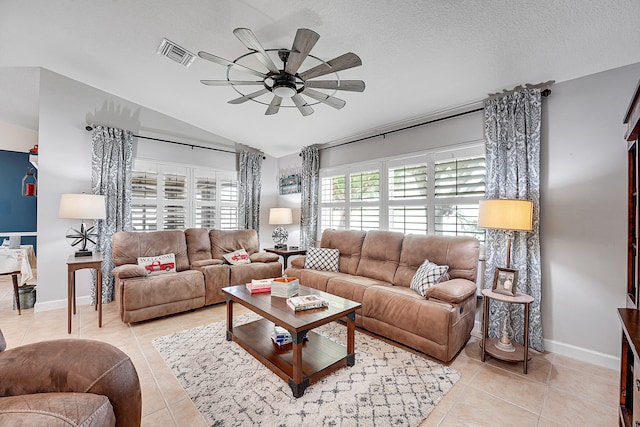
point(582, 354)
point(568, 350)
point(61, 303)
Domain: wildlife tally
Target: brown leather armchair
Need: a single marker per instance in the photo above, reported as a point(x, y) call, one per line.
point(68, 382)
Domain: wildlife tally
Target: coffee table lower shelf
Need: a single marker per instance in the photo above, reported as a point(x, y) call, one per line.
point(320, 356)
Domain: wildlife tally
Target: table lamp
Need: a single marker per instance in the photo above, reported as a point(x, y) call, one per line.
point(82, 207)
point(280, 216)
point(506, 214)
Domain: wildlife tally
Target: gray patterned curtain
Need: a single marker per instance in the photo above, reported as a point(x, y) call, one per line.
point(512, 136)
point(250, 185)
point(111, 177)
point(309, 207)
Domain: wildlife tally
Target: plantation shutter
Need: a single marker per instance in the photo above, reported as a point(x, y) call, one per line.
point(144, 194)
point(408, 198)
point(459, 185)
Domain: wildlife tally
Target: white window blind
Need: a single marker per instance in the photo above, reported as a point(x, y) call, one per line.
point(431, 193)
point(168, 196)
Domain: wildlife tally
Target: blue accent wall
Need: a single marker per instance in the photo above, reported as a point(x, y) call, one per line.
point(17, 213)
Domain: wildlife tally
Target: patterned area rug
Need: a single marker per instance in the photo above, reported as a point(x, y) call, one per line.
point(387, 385)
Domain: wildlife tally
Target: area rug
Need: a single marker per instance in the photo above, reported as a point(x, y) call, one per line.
point(386, 386)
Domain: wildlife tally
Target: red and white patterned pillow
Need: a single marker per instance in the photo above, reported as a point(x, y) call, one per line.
point(160, 264)
point(237, 257)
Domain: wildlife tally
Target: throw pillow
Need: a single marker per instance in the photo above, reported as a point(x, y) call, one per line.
point(237, 257)
point(322, 259)
point(427, 275)
point(158, 264)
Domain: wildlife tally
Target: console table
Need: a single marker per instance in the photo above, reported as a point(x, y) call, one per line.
point(78, 263)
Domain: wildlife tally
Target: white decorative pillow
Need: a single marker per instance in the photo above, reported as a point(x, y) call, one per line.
point(237, 257)
point(427, 275)
point(158, 264)
point(322, 259)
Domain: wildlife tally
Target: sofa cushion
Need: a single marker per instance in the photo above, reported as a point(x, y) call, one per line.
point(129, 270)
point(264, 257)
point(162, 289)
point(244, 273)
point(225, 241)
point(458, 252)
point(349, 243)
point(237, 257)
point(427, 275)
point(325, 259)
point(453, 291)
point(380, 255)
point(160, 264)
point(57, 409)
point(352, 287)
point(198, 244)
point(127, 246)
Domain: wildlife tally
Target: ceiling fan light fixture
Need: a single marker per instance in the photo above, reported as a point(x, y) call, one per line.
point(284, 90)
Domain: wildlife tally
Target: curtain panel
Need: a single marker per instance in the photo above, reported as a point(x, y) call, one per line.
point(111, 161)
point(512, 137)
point(249, 192)
point(309, 196)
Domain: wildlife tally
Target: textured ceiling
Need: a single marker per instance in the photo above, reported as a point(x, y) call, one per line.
point(419, 57)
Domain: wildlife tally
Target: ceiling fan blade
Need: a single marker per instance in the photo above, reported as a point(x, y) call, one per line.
point(274, 106)
point(245, 98)
point(332, 101)
point(231, 82)
point(342, 62)
point(302, 45)
point(350, 85)
point(250, 40)
point(302, 105)
point(226, 62)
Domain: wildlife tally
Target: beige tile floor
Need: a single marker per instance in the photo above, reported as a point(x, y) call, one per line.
point(558, 391)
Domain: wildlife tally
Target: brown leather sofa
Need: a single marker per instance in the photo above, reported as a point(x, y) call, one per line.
point(200, 274)
point(68, 382)
point(376, 268)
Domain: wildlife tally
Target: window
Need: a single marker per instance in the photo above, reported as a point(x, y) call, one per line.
point(431, 193)
point(167, 196)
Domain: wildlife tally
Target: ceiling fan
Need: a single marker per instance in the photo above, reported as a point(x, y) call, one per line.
point(286, 82)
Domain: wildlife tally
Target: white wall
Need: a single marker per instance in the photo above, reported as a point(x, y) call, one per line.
point(66, 106)
point(16, 138)
point(584, 214)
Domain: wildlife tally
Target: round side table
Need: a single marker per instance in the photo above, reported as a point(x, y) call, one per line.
point(521, 354)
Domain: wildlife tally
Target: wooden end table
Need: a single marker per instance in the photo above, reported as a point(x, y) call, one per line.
point(321, 355)
point(285, 254)
point(521, 354)
point(78, 263)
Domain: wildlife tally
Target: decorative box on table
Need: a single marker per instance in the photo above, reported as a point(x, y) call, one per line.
point(284, 287)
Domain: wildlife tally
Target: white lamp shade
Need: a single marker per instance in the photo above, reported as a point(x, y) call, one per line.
point(280, 216)
point(82, 206)
point(506, 214)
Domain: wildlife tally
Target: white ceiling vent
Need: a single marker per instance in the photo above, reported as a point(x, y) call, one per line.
point(176, 53)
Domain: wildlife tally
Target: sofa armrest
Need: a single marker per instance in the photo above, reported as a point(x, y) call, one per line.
point(263, 257)
point(452, 291)
point(127, 271)
point(74, 365)
point(298, 261)
point(206, 262)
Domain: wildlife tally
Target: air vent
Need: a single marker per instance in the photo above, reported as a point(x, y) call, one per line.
point(176, 53)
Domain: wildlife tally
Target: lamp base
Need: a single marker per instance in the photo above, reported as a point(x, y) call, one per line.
point(82, 253)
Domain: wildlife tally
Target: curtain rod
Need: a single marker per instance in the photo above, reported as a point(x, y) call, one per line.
point(546, 92)
point(383, 134)
point(90, 128)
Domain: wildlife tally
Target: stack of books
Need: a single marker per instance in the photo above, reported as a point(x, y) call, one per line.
point(306, 302)
point(258, 286)
point(281, 336)
point(284, 287)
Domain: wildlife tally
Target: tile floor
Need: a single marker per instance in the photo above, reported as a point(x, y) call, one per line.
point(558, 391)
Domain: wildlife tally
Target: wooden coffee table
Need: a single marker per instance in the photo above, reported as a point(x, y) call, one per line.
point(304, 361)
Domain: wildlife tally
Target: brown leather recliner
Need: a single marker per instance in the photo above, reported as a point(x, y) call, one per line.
point(68, 382)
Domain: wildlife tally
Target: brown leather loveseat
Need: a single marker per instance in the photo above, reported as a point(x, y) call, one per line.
point(201, 271)
point(375, 269)
point(69, 382)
